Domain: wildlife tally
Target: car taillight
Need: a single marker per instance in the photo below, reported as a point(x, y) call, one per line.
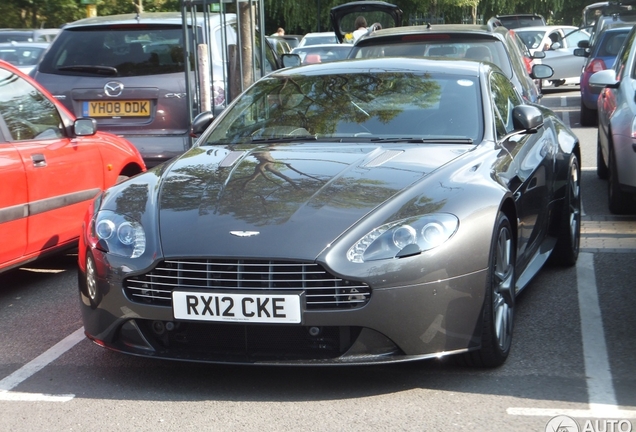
point(595, 66)
point(528, 63)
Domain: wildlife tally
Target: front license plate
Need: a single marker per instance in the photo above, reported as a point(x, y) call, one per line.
point(258, 308)
point(111, 108)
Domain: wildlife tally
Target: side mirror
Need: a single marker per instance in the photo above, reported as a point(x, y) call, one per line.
point(541, 71)
point(538, 55)
point(604, 78)
point(85, 127)
point(581, 52)
point(291, 60)
point(201, 123)
point(555, 45)
point(585, 43)
point(526, 119)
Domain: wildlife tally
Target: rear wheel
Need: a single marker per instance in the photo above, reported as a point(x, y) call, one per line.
point(499, 301)
point(588, 116)
point(566, 251)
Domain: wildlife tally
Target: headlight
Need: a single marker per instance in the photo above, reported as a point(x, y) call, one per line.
point(119, 234)
point(404, 237)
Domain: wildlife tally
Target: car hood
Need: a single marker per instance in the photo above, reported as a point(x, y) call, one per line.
point(287, 200)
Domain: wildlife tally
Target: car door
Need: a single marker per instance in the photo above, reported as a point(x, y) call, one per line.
point(62, 174)
point(561, 55)
point(13, 199)
point(530, 177)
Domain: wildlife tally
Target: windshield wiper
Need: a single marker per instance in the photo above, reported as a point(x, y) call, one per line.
point(441, 140)
point(99, 70)
point(286, 138)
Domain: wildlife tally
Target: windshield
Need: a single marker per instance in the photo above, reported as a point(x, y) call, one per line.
point(357, 106)
point(125, 51)
point(532, 38)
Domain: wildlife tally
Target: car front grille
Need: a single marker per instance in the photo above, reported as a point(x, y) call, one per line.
point(323, 291)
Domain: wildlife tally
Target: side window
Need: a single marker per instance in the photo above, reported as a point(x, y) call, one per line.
point(623, 54)
point(505, 98)
point(27, 113)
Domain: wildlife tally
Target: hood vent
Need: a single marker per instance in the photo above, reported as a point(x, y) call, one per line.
point(231, 158)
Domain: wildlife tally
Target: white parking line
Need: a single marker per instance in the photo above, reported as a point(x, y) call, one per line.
point(565, 115)
point(35, 366)
point(600, 388)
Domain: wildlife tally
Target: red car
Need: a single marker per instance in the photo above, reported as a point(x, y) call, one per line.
point(51, 166)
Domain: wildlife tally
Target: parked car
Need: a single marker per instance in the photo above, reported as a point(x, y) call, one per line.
point(318, 38)
point(558, 43)
point(322, 53)
point(616, 106)
point(515, 21)
point(128, 72)
point(52, 165)
point(24, 55)
point(28, 35)
point(362, 211)
point(599, 57)
point(480, 42)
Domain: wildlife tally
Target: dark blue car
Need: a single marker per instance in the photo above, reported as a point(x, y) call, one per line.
point(599, 57)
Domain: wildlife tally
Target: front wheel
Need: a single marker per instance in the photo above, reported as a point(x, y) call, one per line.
point(499, 301)
point(601, 167)
point(619, 201)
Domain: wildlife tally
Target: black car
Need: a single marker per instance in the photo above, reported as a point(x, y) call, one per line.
point(359, 211)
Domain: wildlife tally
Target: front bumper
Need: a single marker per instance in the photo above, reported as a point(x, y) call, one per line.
point(397, 324)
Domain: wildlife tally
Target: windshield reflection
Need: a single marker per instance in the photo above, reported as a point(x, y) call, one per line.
point(345, 106)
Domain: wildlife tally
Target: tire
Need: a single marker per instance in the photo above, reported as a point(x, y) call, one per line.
point(499, 300)
point(589, 117)
point(601, 167)
point(619, 201)
point(90, 281)
point(566, 251)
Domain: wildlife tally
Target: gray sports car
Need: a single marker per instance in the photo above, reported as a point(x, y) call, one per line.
point(363, 211)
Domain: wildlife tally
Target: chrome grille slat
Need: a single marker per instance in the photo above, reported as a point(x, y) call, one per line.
point(322, 290)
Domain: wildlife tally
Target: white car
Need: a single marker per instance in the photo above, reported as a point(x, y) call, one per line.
point(558, 43)
point(318, 38)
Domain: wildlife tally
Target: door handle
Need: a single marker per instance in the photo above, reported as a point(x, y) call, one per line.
point(39, 160)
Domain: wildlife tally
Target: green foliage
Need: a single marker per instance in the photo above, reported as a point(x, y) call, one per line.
point(296, 17)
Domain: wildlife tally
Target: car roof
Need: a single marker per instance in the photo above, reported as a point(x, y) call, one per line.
point(133, 18)
point(546, 28)
point(397, 64)
point(435, 28)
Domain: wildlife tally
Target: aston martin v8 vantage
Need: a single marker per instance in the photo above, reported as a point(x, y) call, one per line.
point(360, 211)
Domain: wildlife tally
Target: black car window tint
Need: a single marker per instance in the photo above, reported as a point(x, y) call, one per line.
point(27, 113)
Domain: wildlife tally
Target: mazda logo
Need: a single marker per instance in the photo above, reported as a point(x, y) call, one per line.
point(113, 88)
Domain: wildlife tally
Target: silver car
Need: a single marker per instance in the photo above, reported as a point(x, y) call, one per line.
point(128, 72)
point(558, 42)
point(616, 159)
